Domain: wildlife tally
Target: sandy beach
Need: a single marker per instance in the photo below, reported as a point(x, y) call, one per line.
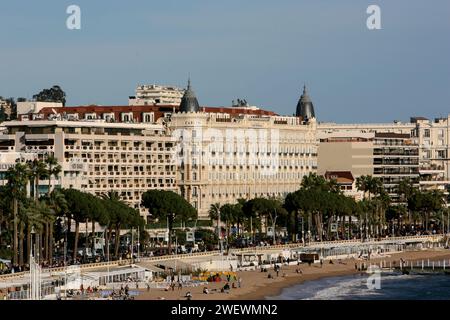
point(257, 286)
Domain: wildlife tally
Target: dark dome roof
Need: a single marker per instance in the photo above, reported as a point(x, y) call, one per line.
point(305, 108)
point(189, 101)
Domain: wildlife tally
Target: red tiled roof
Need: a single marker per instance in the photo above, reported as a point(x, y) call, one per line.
point(340, 176)
point(158, 109)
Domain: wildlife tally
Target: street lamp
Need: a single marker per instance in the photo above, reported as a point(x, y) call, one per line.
point(33, 232)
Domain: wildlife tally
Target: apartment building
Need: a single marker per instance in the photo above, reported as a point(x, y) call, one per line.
point(97, 156)
point(432, 137)
point(434, 143)
point(389, 156)
point(156, 94)
point(395, 158)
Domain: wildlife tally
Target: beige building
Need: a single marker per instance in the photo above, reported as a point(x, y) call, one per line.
point(346, 152)
point(97, 156)
point(392, 157)
point(229, 153)
point(156, 95)
point(432, 138)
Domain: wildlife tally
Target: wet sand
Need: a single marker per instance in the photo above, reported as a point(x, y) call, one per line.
point(257, 286)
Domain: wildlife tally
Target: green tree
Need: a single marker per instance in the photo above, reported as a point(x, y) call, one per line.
point(113, 204)
point(53, 170)
point(214, 214)
point(38, 171)
point(3, 116)
point(168, 205)
point(54, 94)
point(58, 207)
point(17, 178)
point(78, 204)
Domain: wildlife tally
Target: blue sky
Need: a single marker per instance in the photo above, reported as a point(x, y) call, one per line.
point(262, 51)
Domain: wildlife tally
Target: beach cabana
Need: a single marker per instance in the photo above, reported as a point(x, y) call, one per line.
point(150, 270)
point(246, 258)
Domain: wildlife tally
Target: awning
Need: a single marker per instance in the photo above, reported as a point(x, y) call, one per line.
point(150, 267)
point(174, 264)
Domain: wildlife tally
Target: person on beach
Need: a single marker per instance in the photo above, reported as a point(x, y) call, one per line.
point(148, 287)
point(188, 295)
point(239, 282)
point(180, 285)
point(321, 263)
point(205, 290)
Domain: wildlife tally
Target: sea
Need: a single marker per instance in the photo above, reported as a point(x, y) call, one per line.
point(391, 286)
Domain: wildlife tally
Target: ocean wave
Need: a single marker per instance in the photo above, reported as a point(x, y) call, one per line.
point(392, 286)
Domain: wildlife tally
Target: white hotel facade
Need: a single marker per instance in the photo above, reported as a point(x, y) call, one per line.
point(208, 155)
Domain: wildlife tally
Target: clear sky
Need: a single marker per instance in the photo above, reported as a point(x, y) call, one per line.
point(258, 50)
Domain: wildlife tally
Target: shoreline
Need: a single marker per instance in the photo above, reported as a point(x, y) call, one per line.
point(257, 286)
point(432, 255)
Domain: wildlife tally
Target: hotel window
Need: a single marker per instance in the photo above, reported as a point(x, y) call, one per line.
point(148, 117)
point(127, 117)
point(426, 133)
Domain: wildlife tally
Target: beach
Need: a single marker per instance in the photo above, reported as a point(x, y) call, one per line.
point(256, 285)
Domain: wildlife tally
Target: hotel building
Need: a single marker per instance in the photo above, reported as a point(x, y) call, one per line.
point(229, 153)
point(97, 156)
point(206, 154)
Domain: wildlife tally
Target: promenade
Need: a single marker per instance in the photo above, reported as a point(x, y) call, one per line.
point(262, 249)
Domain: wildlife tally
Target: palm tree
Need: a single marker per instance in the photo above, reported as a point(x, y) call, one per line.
point(362, 185)
point(58, 207)
point(33, 215)
point(372, 186)
point(38, 171)
point(53, 169)
point(227, 215)
point(214, 214)
point(112, 201)
point(240, 217)
point(17, 178)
